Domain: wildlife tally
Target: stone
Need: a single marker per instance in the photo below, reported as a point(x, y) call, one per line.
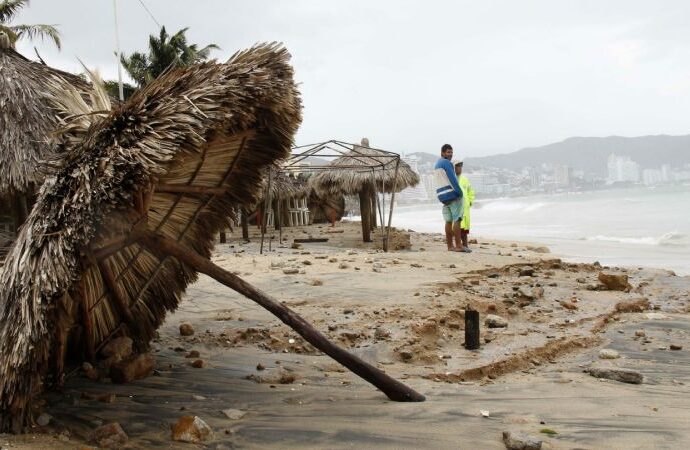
point(107, 398)
point(316, 282)
point(191, 429)
point(186, 329)
point(43, 419)
point(617, 374)
point(381, 333)
point(615, 281)
point(199, 364)
point(193, 354)
point(118, 349)
point(234, 414)
point(90, 371)
point(494, 321)
point(676, 347)
point(290, 271)
point(633, 306)
point(343, 266)
point(608, 353)
point(640, 333)
point(655, 316)
point(521, 441)
point(110, 435)
point(538, 292)
point(260, 367)
point(568, 305)
point(132, 369)
point(527, 271)
point(541, 250)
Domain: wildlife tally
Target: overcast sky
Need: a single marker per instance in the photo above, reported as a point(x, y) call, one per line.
point(487, 77)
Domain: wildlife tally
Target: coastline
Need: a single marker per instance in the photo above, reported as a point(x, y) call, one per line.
point(403, 311)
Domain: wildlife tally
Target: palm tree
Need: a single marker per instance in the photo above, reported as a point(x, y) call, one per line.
point(165, 52)
point(8, 11)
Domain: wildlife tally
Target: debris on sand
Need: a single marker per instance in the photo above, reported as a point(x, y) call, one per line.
point(494, 321)
point(520, 441)
point(191, 429)
point(110, 436)
point(132, 369)
point(615, 281)
point(186, 330)
point(617, 374)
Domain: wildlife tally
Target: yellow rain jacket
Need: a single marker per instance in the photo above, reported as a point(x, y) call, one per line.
point(467, 199)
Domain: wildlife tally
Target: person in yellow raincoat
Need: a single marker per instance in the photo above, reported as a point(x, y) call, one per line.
point(468, 199)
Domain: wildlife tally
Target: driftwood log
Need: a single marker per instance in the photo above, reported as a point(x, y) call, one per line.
point(394, 389)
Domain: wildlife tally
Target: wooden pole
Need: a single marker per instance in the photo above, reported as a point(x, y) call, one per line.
point(394, 389)
point(245, 225)
point(365, 212)
point(471, 329)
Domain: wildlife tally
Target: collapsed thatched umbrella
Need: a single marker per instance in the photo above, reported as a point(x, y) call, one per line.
point(365, 171)
point(124, 226)
point(26, 121)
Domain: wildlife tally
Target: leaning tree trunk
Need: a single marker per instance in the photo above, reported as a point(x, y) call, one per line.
point(365, 212)
point(394, 389)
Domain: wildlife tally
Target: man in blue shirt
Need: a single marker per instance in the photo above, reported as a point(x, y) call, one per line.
point(449, 193)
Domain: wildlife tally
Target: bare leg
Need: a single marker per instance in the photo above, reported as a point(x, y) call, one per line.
point(463, 236)
point(458, 235)
point(450, 231)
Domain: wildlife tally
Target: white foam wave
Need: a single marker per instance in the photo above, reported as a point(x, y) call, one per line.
point(672, 238)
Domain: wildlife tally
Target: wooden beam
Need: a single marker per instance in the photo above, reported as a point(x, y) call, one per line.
point(113, 291)
point(185, 189)
point(81, 299)
point(394, 389)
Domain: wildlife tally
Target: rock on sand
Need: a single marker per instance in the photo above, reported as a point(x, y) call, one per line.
point(615, 281)
point(520, 441)
point(493, 321)
point(617, 374)
point(191, 429)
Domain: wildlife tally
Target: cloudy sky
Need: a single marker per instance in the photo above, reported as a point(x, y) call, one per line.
point(487, 77)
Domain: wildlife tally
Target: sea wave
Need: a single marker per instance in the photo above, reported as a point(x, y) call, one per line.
point(672, 238)
point(508, 206)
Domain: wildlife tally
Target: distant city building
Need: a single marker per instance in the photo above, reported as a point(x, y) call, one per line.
point(562, 175)
point(652, 176)
point(418, 193)
point(622, 169)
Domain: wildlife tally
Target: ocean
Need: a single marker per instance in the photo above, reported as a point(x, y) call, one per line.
point(636, 227)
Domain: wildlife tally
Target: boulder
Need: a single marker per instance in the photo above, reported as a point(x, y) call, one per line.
point(493, 321)
point(134, 368)
point(617, 374)
point(633, 306)
point(118, 349)
point(615, 281)
point(608, 353)
point(520, 441)
point(191, 429)
point(186, 329)
point(110, 436)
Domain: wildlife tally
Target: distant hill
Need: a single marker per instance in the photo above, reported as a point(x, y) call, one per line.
point(590, 153)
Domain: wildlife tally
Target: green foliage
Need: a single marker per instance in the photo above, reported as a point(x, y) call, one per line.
point(113, 89)
point(165, 52)
point(8, 11)
point(548, 431)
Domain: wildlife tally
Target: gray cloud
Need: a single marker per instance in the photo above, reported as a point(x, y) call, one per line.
point(485, 76)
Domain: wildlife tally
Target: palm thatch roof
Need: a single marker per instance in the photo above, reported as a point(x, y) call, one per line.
point(26, 118)
point(286, 186)
point(175, 159)
point(350, 173)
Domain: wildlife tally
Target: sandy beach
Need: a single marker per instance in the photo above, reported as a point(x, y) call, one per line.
point(404, 312)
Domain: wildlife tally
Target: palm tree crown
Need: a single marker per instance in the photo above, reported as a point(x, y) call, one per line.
point(165, 52)
point(9, 10)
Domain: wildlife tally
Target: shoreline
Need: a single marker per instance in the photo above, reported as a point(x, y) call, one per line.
point(403, 311)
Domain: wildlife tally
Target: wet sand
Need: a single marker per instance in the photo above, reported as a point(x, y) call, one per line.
point(404, 312)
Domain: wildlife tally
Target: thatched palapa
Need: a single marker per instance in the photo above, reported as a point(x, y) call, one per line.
point(350, 173)
point(187, 148)
point(26, 121)
point(124, 226)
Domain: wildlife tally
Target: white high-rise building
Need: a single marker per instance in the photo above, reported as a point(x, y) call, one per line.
point(652, 176)
point(622, 169)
